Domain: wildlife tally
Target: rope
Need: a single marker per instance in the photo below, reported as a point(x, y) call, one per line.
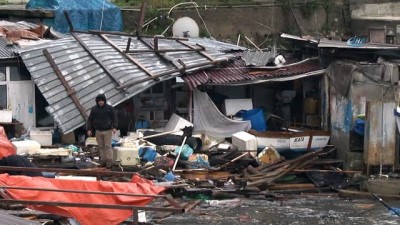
point(102, 14)
point(202, 20)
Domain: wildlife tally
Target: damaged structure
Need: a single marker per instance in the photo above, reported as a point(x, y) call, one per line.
point(199, 117)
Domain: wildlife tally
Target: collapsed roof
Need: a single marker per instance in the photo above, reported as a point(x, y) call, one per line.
point(71, 72)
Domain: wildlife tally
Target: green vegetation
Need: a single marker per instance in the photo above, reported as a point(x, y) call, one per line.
point(308, 9)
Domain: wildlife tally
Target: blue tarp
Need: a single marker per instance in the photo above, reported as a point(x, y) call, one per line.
point(84, 14)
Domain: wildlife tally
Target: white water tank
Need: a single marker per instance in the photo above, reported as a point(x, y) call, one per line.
point(185, 27)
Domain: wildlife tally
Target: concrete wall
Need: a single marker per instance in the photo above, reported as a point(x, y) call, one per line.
point(345, 109)
point(255, 22)
point(370, 14)
point(390, 9)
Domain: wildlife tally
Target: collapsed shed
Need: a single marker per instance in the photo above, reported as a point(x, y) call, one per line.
point(119, 66)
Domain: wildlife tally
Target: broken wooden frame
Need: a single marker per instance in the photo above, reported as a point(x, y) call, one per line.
point(155, 49)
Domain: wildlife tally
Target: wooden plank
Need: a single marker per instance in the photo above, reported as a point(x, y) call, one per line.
point(164, 50)
point(155, 50)
point(389, 133)
point(141, 17)
point(292, 186)
point(153, 77)
point(380, 134)
point(129, 57)
point(71, 92)
point(200, 52)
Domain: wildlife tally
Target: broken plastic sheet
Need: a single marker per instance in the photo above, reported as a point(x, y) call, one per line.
point(6, 147)
point(209, 120)
point(85, 216)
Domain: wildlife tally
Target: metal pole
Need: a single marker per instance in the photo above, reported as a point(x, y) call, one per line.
point(83, 192)
point(179, 153)
point(91, 205)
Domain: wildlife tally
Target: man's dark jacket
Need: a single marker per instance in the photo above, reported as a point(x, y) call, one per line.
point(102, 118)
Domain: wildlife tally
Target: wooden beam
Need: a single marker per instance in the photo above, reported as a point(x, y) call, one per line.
point(164, 50)
point(129, 57)
point(71, 92)
point(92, 54)
point(200, 52)
point(69, 21)
point(292, 186)
point(141, 17)
point(158, 53)
point(168, 73)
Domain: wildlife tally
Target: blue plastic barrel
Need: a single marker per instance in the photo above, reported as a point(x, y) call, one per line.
point(257, 119)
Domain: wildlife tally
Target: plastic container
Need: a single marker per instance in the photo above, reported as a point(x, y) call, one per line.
point(359, 126)
point(43, 137)
point(256, 118)
point(126, 156)
point(147, 154)
point(187, 151)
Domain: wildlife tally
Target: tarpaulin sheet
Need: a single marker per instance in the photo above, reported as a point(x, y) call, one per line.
point(6, 147)
point(85, 15)
point(208, 119)
point(85, 216)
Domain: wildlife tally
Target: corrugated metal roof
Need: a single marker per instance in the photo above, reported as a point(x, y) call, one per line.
point(323, 43)
point(294, 37)
point(5, 50)
point(341, 44)
point(237, 72)
point(217, 45)
point(258, 58)
point(7, 219)
point(106, 69)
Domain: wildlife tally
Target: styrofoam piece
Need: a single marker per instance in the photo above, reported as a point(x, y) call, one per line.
point(24, 147)
point(5, 116)
point(43, 137)
point(244, 141)
point(126, 156)
point(232, 106)
point(224, 146)
point(50, 152)
point(176, 123)
point(91, 141)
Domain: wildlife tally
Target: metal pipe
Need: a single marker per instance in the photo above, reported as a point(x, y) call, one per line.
point(90, 205)
point(179, 154)
point(82, 192)
point(71, 171)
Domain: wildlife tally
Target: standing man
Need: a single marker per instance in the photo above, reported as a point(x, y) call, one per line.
point(103, 120)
